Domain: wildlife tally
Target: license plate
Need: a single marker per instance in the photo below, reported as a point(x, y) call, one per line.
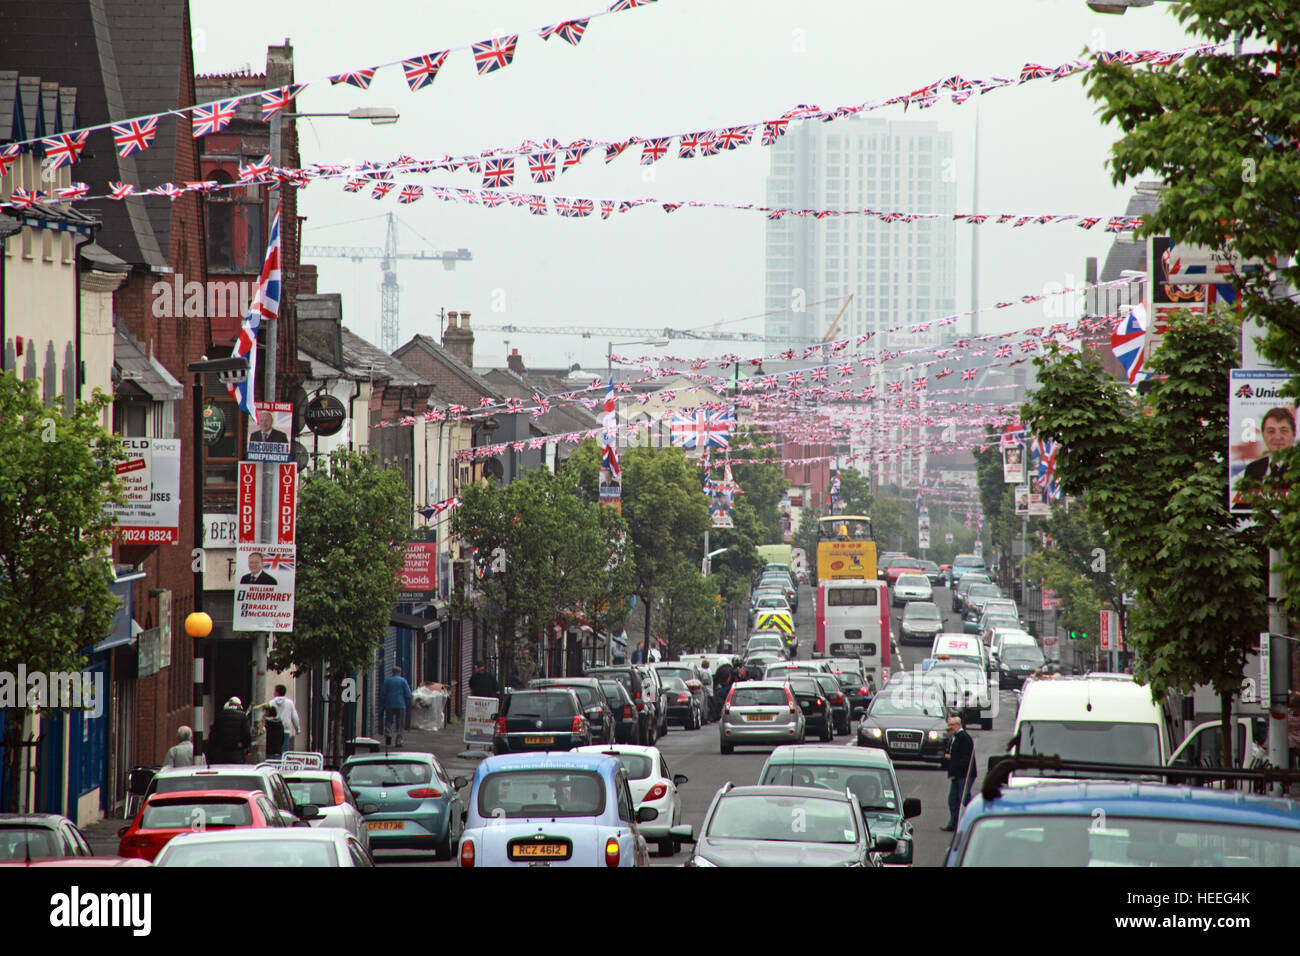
point(384, 824)
point(536, 851)
point(539, 740)
point(761, 717)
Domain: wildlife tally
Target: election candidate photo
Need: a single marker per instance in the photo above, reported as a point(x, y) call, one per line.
point(255, 573)
point(267, 431)
point(1278, 432)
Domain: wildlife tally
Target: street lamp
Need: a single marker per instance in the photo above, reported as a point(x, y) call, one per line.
point(378, 115)
point(1117, 6)
point(609, 367)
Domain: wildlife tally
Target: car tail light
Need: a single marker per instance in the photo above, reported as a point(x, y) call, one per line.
point(424, 793)
point(864, 691)
point(501, 725)
point(726, 709)
point(694, 684)
point(467, 853)
point(612, 851)
point(657, 792)
point(337, 786)
point(837, 699)
point(627, 711)
point(683, 698)
point(789, 700)
point(820, 702)
point(579, 726)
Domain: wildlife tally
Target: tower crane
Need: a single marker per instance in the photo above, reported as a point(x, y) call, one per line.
point(389, 333)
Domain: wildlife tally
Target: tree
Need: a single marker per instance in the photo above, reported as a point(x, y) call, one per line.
point(1155, 476)
point(55, 534)
point(763, 485)
point(353, 523)
point(855, 492)
point(688, 614)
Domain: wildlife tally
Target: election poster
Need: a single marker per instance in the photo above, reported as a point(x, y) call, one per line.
point(269, 440)
point(1261, 423)
point(1013, 464)
point(151, 480)
point(264, 588)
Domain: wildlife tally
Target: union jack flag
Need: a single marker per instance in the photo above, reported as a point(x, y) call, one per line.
point(703, 429)
point(213, 117)
point(22, 199)
point(277, 561)
point(410, 194)
point(120, 190)
point(802, 111)
point(353, 185)
point(382, 189)
point(1108, 58)
point(266, 305)
point(944, 372)
point(203, 186)
point(491, 199)
point(654, 149)
point(844, 371)
point(735, 136)
point(709, 145)
point(686, 145)
point(277, 100)
point(619, 5)
point(919, 385)
point(967, 374)
point(615, 150)
point(257, 169)
point(537, 205)
point(570, 31)
point(794, 378)
point(135, 136)
point(495, 54)
point(606, 207)
point(541, 166)
point(573, 154)
point(75, 191)
point(8, 156)
point(671, 206)
point(499, 172)
point(895, 386)
point(774, 130)
point(1028, 346)
point(1045, 451)
point(1003, 351)
point(819, 374)
point(582, 208)
point(170, 190)
point(64, 149)
point(1033, 71)
point(357, 78)
point(562, 206)
point(422, 70)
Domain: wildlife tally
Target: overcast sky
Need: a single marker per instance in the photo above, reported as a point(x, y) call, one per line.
point(674, 66)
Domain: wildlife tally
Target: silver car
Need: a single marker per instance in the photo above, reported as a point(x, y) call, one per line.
point(327, 790)
point(760, 712)
point(912, 587)
point(272, 846)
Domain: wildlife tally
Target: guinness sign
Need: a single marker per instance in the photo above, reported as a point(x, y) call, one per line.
point(325, 415)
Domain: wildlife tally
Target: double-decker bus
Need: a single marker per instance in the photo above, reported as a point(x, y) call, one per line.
point(853, 622)
point(846, 548)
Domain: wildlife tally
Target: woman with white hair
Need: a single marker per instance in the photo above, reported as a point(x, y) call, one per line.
point(232, 735)
point(182, 754)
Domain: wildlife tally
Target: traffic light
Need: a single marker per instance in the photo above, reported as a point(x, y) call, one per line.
point(1078, 636)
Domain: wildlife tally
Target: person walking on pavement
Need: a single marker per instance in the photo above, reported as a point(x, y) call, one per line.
point(397, 697)
point(287, 711)
point(481, 683)
point(961, 748)
point(231, 736)
point(182, 754)
point(525, 668)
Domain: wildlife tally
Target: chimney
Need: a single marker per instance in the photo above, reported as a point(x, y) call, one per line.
point(515, 362)
point(307, 279)
point(458, 339)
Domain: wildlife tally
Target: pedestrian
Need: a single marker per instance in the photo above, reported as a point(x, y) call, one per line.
point(231, 736)
point(182, 754)
point(287, 712)
point(397, 697)
point(525, 668)
point(958, 761)
point(274, 731)
point(481, 683)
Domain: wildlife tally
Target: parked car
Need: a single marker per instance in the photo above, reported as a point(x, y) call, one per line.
point(750, 826)
point(921, 621)
point(328, 791)
point(541, 720)
point(630, 677)
point(908, 719)
point(760, 712)
point(40, 836)
point(699, 685)
point(841, 710)
point(233, 776)
point(627, 722)
point(167, 815)
point(266, 847)
point(653, 786)
point(959, 589)
point(591, 697)
point(408, 800)
point(572, 809)
point(866, 773)
point(911, 587)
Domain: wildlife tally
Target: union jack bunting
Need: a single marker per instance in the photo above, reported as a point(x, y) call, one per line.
point(686, 145)
point(794, 378)
point(1033, 71)
point(967, 374)
point(735, 136)
point(203, 186)
point(22, 199)
point(774, 130)
point(353, 185)
point(802, 111)
point(671, 206)
point(653, 150)
point(170, 190)
point(257, 169)
point(944, 372)
point(615, 150)
point(491, 199)
point(819, 374)
point(120, 190)
point(895, 386)
point(582, 208)
point(213, 118)
point(703, 429)
point(382, 189)
point(276, 100)
point(1003, 351)
point(358, 78)
point(1087, 222)
point(562, 206)
point(537, 205)
point(422, 70)
point(64, 149)
point(709, 145)
point(1028, 346)
point(410, 194)
point(919, 385)
point(135, 136)
point(541, 166)
point(495, 54)
point(499, 172)
point(619, 5)
point(75, 191)
point(573, 154)
point(8, 156)
point(606, 207)
point(570, 31)
point(844, 371)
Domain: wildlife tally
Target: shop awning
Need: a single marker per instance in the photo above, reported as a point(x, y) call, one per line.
point(120, 639)
point(422, 625)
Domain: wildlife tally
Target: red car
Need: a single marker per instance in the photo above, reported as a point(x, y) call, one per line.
point(903, 566)
point(164, 815)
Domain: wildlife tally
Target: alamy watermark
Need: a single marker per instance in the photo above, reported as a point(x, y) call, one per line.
point(57, 690)
point(175, 298)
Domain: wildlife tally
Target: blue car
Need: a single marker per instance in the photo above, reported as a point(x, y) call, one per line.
point(555, 809)
point(408, 801)
point(1116, 822)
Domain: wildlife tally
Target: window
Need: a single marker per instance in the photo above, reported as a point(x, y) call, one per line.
point(624, 801)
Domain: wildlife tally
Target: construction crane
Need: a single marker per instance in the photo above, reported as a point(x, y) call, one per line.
point(389, 332)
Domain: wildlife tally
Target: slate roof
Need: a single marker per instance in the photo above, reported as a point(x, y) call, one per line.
point(465, 374)
point(141, 369)
point(1130, 255)
point(363, 360)
point(560, 419)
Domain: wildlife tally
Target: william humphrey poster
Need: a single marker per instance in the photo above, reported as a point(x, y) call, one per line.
point(264, 587)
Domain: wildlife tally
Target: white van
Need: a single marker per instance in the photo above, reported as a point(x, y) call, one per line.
point(950, 644)
point(1095, 718)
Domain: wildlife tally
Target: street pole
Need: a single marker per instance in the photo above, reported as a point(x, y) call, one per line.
point(1279, 656)
point(197, 485)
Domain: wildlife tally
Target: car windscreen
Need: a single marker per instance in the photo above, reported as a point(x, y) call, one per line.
point(388, 773)
point(1091, 740)
point(212, 781)
point(285, 852)
point(1021, 654)
point(770, 818)
point(931, 568)
point(318, 792)
point(611, 689)
point(17, 842)
point(675, 685)
point(623, 677)
point(1109, 840)
point(968, 581)
point(638, 766)
point(873, 786)
point(538, 704)
point(666, 673)
point(960, 676)
point(586, 695)
point(984, 590)
point(541, 793)
point(912, 580)
point(909, 563)
point(968, 561)
point(199, 814)
point(773, 601)
point(758, 697)
point(909, 700)
point(922, 612)
point(804, 686)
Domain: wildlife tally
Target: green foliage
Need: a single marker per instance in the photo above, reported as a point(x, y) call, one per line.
point(688, 618)
point(582, 470)
point(855, 493)
point(353, 522)
point(55, 564)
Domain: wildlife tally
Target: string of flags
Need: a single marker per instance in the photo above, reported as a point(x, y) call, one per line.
point(434, 510)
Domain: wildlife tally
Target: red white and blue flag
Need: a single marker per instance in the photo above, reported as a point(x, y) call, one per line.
point(8, 156)
point(213, 117)
point(570, 31)
point(64, 149)
point(541, 166)
point(134, 136)
point(410, 194)
point(266, 305)
point(703, 429)
point(1128, 340)
point(495, 54)
point(422, 70)
point(1045, 453)
point(499, 172)
point(277, 100)
point(609, 453)
point(256, 170)
point(358, 78)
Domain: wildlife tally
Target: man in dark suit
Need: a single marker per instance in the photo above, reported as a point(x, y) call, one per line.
point(266, 430)
point(958, 761)
point(255, 573)
point(1278, 430)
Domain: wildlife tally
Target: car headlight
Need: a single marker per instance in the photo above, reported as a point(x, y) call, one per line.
point(875, 732)
point(934, 735)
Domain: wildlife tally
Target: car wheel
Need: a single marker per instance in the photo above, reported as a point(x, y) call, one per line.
point(442, 851)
